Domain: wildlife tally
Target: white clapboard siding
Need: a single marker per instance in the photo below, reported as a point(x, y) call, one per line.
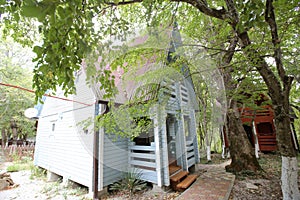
point(66, 151)
point(115, 158)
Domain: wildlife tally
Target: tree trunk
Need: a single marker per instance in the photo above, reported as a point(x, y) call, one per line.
point(13, 126)
point(241, 151)
point(289, 169)
point(208, 153)
point(289, 178)
point(278, 86)
point(4, 137)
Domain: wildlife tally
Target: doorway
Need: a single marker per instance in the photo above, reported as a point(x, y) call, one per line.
point(171, 138)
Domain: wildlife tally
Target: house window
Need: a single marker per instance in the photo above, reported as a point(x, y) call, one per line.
point(53, 127)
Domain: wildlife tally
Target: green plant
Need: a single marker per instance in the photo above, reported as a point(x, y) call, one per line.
point(77, 190)
point(13, 168)
point(65, 195)
point(131, 182)
point(52, 188)
point(37, 172)
point(26, 159)
point(15, 157)
point(18, 166)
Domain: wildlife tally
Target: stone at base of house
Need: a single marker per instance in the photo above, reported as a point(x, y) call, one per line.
point(156, 188)
point(52, 177)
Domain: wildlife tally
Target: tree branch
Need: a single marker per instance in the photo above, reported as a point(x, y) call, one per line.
point(261, 65)
point(123, 2)
point(270, 19)
point(202, 6)
point(209, 48)
point(230, 50)
point(296, 106)
point(232, 13)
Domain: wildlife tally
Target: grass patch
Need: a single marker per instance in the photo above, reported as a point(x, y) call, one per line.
point(16, 167)
point(58, 190)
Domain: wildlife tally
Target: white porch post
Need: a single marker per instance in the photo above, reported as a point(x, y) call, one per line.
point(157, 124)
point(181, 139)
point(164, 148)
point(101, 155)
point(256, 140)
point(194, 135)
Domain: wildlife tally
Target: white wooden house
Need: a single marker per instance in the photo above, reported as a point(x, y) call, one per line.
point(64, 148)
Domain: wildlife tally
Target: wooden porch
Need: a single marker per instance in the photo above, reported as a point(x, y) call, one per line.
point(180, 179)
point(144, 160)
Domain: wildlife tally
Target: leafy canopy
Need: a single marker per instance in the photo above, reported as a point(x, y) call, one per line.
point(14, 69)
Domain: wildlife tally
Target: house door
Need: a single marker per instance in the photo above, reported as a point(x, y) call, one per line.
point(171, 138)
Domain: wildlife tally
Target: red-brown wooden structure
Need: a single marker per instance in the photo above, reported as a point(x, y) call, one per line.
point(260, 128)
point(260, 124)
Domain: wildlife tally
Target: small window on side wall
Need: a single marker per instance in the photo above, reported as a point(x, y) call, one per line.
point(53, 127)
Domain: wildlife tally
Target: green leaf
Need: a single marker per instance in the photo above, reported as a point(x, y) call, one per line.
point(31, 11)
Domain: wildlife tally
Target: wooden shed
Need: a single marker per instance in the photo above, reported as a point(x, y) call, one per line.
point(259, 125)
point(260, 128)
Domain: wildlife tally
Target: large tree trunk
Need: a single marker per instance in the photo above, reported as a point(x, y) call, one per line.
point(289, 170)
point(279, 91)
point(241, 151)
point(278, 85)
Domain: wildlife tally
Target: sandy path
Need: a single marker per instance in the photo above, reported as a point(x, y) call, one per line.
point(29, 189)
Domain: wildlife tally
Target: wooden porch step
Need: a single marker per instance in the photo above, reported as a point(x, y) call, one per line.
point(187, 181)
point(178, 176)
point(267, 148)
point(173, 169)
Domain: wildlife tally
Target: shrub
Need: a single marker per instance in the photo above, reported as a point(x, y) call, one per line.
point(131, 183)
point(37, 172)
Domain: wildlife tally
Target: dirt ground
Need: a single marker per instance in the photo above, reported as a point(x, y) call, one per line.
point(262, 186)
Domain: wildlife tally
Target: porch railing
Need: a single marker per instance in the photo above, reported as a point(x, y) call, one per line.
point(142, 159)
point(190, 153)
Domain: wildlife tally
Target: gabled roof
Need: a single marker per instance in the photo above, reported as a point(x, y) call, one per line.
point(128, 89)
